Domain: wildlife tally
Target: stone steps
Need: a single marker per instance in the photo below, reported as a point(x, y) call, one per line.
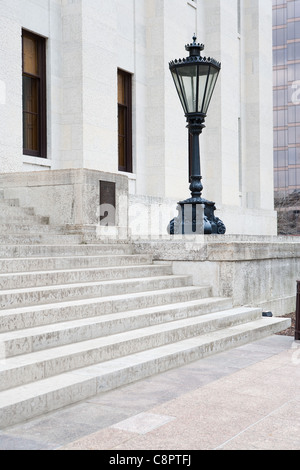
point(23, 219)
point(32, 279)
point(30, 227)
point(63, 250)
point(11, 210)
point(9, 202)
point(78, 319)
point(42, 337)
point(57, 293)
point(45, 314)
point(20, 225)
point(55, 358)
point(43, 238)
point(14, 265)
point(169, 348)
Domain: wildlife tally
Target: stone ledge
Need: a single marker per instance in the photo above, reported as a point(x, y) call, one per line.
point(221, 248)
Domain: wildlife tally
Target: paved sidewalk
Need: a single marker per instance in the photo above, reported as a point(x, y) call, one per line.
point(247, 398)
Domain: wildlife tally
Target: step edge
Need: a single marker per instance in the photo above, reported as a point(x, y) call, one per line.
point(94, 381)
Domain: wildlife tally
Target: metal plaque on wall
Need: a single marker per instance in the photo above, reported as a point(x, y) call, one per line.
point(107, 203)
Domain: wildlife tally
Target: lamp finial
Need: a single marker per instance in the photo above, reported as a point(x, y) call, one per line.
point(194, 48)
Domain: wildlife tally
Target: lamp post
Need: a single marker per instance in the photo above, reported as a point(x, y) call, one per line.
point(195, 78)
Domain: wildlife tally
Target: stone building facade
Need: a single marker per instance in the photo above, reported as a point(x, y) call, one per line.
point(103, 69)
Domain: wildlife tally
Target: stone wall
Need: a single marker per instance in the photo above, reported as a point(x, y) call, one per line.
point(71, 198)
point(255, 271)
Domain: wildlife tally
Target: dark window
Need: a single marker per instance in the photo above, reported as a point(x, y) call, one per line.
point(34, 95)
point(125, 121)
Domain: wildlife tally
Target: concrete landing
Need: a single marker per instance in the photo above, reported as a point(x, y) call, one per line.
point(247, 398)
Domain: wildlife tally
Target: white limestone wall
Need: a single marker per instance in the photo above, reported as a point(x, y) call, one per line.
point(42, 17)
point(255, 271)
point(11, 93)
point(238, 166)
point(71, 109)
point(71, 198)
point(99, 93)
point(258, 99)
point(88, 40)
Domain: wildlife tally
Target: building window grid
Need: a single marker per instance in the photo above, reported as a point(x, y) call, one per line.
point(286, 114)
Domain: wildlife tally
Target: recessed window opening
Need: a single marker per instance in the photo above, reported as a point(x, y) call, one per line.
point(34, 95)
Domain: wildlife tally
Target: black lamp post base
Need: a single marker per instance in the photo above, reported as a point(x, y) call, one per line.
point(196, 216)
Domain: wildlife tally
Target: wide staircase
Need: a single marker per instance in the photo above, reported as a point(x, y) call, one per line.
point(78, 319)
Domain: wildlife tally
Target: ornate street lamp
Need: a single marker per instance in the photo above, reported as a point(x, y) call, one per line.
point(195, 78)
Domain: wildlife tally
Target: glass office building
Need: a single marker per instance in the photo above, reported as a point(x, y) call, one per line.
point(286, 66)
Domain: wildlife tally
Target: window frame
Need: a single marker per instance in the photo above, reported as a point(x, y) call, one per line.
point(127, 110)
point(41, 95)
